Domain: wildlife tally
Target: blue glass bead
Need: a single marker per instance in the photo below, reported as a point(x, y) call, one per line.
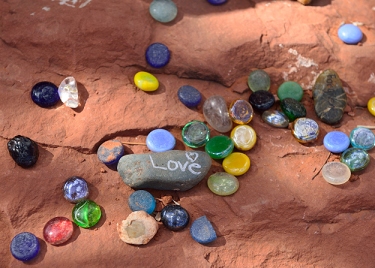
point(202, 231)
point(157, 55)
point(23, 150)
point(142, 200)
point(110, 152)
point(163, 10)
point(362, 138)
point(174, 217)
point(217, 2)
point(195, 134)
point(336, 141)
point(350, 34)
point(355, 158)
point(75, 190)
point(160, 140)
point(45, 94)
point(189, 96)
point(25, 246)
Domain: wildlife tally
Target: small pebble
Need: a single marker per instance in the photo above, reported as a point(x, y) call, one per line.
point(75, 189)
point(160, 140)
point(261, 100)
point(157, 55)
point(202, 231)
point(336, 173)
point(163, 10)
point(222, 183)
point(110, 152)
point(259, 80)
point(290, 89)
point(174, 217)
point(350, 34)
point(45, 94)
point(189, 96)
point(195, 134)
point(336, 142)
point(244, 137)
point(23, 150)
point(25, 246)
point(236, 164)
point(219, 147)
point(138, 228)
point(146, 81)
point(362, 138)
point(241, 112)
point(142, 200)
point(58, 230)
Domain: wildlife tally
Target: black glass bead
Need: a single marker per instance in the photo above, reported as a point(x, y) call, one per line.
point(23, 150)
point(45, 94)
point(262, 100)
point(174, 217)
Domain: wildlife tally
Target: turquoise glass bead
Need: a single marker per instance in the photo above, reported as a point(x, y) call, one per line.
point(362, 138)
point(355, 158)
point(163, 10)
point(219, 147)
point(195, 134)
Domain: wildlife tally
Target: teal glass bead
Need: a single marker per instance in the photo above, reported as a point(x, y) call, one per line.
point(292, 109)
point(86, 213)
point(163, 10)
point(219, 147)
point(290, 89)
point(195, 134)
point(362, 138)
point(355, 158)
point(259, 80)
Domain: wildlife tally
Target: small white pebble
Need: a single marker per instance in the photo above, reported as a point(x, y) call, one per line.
point(46, 8)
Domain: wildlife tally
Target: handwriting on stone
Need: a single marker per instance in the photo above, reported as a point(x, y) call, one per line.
point(72, 3)
point(174, 165)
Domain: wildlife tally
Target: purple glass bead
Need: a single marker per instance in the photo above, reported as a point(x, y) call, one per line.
point(45, 94)
point(25, 246)
point(216, 2)
point(110, 152)
point(189, 96)
point(160, 140)
point(350, 34)
point(157, 55)
point(336, 141)
point(75, 189)
point(174, 217)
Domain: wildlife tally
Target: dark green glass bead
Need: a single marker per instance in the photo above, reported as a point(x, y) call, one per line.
point(355, 158)
point(292, 109)
point(290, 89)
point(219, 147)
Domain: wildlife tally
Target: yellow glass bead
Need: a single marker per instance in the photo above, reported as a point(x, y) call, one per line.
point(371, 106)
point(236, 164)
point(244, 137)
point(146, 81)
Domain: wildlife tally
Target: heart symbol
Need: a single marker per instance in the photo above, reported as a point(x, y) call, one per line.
point(191, 156)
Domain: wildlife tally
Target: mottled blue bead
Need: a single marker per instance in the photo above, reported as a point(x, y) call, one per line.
point(45, 94)
point(174, 217)
point(202, 231)
point(216, 2)
point(336, 141)
point(350, 34)
point(110, 152)
point(76, 189)
point(157, 55)
point(142, 200)
point(25, 246)
point(189, 96)
point(160, 140)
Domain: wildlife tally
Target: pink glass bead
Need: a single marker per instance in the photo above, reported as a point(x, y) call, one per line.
point(58, 230)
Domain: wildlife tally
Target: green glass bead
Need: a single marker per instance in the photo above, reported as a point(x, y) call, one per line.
point(222, 183)
point(292, 109)
point(219, 147)
point(86, 213)
point(290, 89)
point(259, 80)
point(355, 158)
point(195, 134)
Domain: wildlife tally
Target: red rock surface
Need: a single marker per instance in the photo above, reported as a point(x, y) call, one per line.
point(284, 214)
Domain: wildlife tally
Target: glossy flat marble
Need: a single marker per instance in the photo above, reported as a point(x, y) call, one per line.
point(244, 137)
point(110, 152)
point(275, 118)
point(261, 100)
point(202, 231)
point(290, 89)
point(163, 10)
point(142, 200)
point(336, 173)
point(24, 246)
point(75, 189)
point(146, 81)
point(222, 183)
point(157, 55)
point(371, 106)
point(355, 158)
point(259, 80)
point(305, 130)
point(189, 96)
point(58, 230)
point(236, 164)
point(336, 141)
point(215, 111)
point(45, 94)
point(160, 140)
point(219, 147)
point(86, 214)
point(350, 34)
point(174, 217)
point(195, 134)
point(241, 112)
point(362, 138)
point(23, 150)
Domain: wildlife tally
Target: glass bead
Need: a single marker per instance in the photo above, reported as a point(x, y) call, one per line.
point(305, 130)
point(222, 183)
point(157, 55)
point(275, 119)
point(75, 189)
point(195, 134)
point(202, 231)
point(217, 2)
point(236, 164)
point(174, 217)
point(160, 140)
point(362, 138)
point(259, 80)
point(216, 113)
point(290, 89)
point(68, 92)
point(110, 152)
point(163, 10)
point(189, 96)
point(142, 200)
point(86, 214)
point(292, 108)
point(262, 100)
point(350, 34)
point(219, 147)
point(241, 112)
point(58, 230)
point(25, 246)
point(371, 106)
point(355, 158)
point(45, 94)
point(23, 150)
point(336, 141)
point(336, 173)
point(146, 81)
point(244, 137)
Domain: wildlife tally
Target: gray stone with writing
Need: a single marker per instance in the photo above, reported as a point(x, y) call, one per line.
point(170, 170)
